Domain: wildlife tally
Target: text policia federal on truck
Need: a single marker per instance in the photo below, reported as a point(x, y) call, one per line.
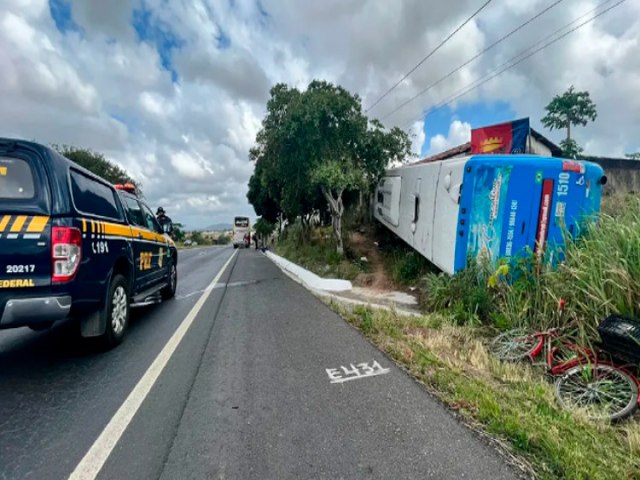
point(496, 206)
point(72, 245)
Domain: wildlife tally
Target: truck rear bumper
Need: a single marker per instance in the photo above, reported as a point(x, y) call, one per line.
point(30, 311)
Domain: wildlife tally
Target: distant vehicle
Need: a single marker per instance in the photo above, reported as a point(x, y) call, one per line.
point(241, 232)
point(496, 206)
point(188, 243)
point(74, 246)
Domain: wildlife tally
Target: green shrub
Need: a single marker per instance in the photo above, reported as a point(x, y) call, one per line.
point(465, 295)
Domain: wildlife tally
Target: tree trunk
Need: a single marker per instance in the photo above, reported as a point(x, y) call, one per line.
point(337, 209)
point(568, 131)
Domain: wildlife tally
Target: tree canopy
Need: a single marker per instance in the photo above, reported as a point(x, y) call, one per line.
point(572, 108)
point(313, 147)
point(96, 163)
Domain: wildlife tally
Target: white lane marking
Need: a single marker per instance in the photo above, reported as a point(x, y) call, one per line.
point(361, 370)
point(191, 294)
point(94, 460)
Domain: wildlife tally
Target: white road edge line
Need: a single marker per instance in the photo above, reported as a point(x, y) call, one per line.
point(94, 460)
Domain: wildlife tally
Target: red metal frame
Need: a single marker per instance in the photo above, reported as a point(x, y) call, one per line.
point(583, 355)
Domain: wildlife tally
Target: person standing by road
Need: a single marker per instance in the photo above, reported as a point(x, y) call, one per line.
point(164, 221)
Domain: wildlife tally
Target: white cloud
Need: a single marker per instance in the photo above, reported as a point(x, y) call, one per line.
point(188, 142)
point(459, 133)
point(418, 137)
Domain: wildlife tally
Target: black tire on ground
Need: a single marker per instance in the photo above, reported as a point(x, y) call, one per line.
point(235, 245)
point(38, 327)
point(115, 312)
point(513, 345)
point(169, 291)
point(604, 392)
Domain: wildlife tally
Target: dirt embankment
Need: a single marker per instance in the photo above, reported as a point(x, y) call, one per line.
point(363, 244)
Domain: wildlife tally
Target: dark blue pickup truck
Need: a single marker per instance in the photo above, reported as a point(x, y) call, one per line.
point(74, 246)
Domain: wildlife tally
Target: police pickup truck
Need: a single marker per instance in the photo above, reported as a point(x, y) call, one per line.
point(74, 246)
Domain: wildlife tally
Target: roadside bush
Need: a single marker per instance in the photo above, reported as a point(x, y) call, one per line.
point(466, 296)
point(405, 264)
point(315, 250)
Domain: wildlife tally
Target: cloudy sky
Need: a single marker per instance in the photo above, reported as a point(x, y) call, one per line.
point(174, 91)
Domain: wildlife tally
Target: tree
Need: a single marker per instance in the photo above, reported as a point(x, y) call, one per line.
point(197, 237)
point(633, 156)
point(264, 228)
point(570, 148)
point(316, 145)
point(178, 232)
point(96, 163)
point(263, 198)
point(570, 108)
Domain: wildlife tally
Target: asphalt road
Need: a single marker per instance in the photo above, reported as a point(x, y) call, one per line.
point(245, 394)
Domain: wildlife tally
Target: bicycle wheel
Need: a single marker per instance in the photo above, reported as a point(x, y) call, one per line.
point(604, 392)
point(513, 345)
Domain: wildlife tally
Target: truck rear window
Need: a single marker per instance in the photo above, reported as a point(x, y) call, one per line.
point(16, 179)
point(93, 197)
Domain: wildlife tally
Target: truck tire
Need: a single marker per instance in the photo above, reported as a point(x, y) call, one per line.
point(116, 312)
point(169, 291)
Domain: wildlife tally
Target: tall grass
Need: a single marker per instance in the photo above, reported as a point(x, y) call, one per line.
point(315, 250)
point(509, 401)
point(403, 263)
point(600, 275)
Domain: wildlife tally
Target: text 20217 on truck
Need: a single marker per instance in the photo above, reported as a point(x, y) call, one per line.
point(74, 246)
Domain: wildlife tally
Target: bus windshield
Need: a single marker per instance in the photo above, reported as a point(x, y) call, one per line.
point(241, 222)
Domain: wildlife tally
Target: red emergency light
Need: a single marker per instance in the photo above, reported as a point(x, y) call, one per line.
point(127, 187)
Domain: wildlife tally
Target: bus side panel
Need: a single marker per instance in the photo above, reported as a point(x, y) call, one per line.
point(576, 198)
point(427, 198)
point(446, 213)
point(482, 211)
point(545, 199)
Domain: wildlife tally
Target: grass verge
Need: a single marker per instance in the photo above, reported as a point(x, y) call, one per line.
point(315, 251)
point(511, 402)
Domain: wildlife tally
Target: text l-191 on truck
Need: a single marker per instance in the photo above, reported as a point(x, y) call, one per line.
point(74, 246)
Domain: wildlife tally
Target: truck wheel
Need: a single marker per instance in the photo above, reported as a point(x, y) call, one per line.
point(170, 290)
point(116, 312)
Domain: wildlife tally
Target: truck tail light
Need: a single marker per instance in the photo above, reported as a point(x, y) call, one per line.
point(66, 253)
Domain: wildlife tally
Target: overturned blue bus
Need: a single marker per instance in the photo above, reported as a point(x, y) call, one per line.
point(491, 206)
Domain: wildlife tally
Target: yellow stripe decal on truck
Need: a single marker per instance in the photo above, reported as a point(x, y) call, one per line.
point(119, 230)
point(4, 222)
point(18, 223)
point(37, 224)
point(104, 229)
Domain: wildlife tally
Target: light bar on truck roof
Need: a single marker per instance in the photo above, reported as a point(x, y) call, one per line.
point(127, 187)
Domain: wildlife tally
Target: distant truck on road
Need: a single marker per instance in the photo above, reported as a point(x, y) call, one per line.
point(497, 206)
point(241, 232)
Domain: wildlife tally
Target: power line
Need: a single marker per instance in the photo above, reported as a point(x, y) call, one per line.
point(496, 72)
point(428, 56)
point(475, 57)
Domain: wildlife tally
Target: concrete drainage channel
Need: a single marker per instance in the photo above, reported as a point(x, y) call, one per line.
point(343, 291)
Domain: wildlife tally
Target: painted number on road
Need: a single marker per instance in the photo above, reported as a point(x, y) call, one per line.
point(360, 370)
